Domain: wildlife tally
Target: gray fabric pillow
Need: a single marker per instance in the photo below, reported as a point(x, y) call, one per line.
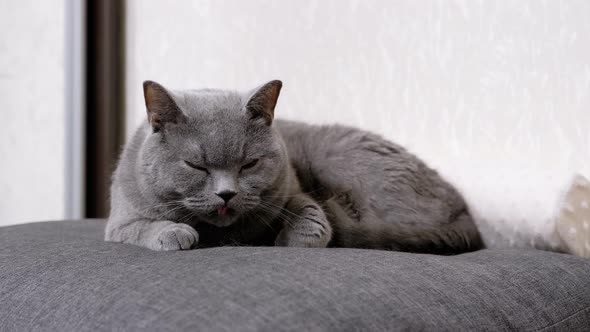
point(61, 276)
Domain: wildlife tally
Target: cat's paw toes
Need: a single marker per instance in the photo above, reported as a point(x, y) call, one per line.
point(289, 238)
point(176, 237)
point(310, 231)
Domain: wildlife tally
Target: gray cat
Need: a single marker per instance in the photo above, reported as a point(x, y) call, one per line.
point(213, 167)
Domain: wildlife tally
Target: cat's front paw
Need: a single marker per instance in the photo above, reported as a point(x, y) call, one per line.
point(311, 229)
point(313, 236)
point(176, 237)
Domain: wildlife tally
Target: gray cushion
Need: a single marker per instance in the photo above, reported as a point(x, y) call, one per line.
point(61, 276)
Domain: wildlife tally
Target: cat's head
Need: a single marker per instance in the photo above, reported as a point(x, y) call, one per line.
point(212, 153)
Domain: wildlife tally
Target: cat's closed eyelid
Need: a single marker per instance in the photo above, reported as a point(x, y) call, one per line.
point(195, 166)
point(250, 164)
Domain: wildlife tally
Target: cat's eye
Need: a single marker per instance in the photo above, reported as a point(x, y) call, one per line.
point(197, 167)
point(250, 164)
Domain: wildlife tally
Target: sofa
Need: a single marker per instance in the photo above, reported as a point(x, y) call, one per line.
point(62, 276)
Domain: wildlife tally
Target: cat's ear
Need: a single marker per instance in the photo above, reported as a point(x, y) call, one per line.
point(262, 102)
point(161, 108)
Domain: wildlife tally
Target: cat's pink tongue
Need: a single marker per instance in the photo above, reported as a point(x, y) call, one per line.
point(222, 211)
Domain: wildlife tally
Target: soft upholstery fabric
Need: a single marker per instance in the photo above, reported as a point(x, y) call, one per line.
point(61, 276)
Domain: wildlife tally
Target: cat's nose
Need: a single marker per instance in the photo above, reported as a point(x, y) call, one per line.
point(226, 195)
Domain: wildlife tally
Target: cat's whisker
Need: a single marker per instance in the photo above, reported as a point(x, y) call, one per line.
point(283, 209)
point(175, 209)
point(163, 204)
point(188, 217)
point(277, 212)
point(265, 221)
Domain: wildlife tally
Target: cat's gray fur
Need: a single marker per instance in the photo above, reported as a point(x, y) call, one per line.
point(313, 186)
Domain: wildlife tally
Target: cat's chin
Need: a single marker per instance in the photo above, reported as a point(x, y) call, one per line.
point(221, 221)
point(227, 219)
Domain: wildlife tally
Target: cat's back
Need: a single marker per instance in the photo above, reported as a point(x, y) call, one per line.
point(343, 146)
point(382, 173)
point(307, 142)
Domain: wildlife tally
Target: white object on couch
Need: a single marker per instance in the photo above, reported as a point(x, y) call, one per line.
point(573, 221)
point(522, 207)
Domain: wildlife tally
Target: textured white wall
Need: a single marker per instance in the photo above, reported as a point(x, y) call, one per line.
point(471, 86)
point(31, 105)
